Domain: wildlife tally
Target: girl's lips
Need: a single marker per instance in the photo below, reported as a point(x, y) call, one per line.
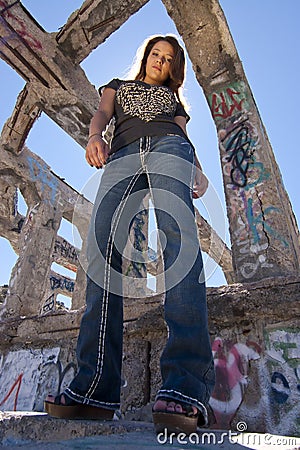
point(157, 68)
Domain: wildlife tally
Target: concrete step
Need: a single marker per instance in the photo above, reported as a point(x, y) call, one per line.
point(37, 431)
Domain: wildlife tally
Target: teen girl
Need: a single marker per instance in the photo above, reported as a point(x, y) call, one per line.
point(150, 151)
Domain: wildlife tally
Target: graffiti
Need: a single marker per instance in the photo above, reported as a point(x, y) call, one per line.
point(49, 224)
point(231, 367)
point(260, 219)
point(282, 365)
point(239, 142)
point(65, 249)
point(20, 28)
point(279, 364)
point(64, 375)
point(228, 102)
point(62, 283)
point(250, 236)
point(40, 172)
point(30, 216)
point(10, 33)
point(19, 226)
point(280, 388)
point(249, 269)
point(240, 146)
point(26, 378)
point(246, 248)
point(16, 384)
point(71, 118)
point(254, 175)
point(49, 304)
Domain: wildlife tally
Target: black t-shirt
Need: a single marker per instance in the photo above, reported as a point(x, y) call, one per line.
point(142, 109)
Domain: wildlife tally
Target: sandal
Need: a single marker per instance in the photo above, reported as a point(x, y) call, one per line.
point(74, 410)
point(176, 422)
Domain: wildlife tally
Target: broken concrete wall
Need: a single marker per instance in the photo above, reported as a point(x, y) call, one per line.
point(256, 355)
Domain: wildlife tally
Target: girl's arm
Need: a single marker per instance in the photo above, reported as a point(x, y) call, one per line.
point(200, 181)
point(97, 149)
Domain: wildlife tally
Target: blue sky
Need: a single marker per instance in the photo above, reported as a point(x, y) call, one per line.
point(266, 34)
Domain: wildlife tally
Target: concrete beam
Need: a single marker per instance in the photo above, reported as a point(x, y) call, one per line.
point(17, 127)
point(92, 24)
point(61, 284)
point(48, 199)
point(64, 91)
point(215, 247)
point(37, 182)
point(237, 304)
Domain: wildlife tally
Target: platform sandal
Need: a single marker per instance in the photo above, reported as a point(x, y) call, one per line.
point(74, 410)
point(176, 422)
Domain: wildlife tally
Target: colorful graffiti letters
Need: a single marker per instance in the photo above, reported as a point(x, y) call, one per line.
point(231, 366)
point(280, 387)
point(65, 249)
point(239, 145)
point(40, 172)
point(228, 102)
point(62, 283)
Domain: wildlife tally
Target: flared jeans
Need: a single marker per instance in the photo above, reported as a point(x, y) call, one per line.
point(163, 166)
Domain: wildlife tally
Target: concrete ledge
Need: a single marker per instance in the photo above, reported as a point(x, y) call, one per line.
point(274, 299)
point(21, 428)
point(38, 431)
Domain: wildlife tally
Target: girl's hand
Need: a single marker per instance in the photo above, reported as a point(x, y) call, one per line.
point(96, 151)
point(200, 184)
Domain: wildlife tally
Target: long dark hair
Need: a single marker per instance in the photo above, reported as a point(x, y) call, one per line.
point(177, 68)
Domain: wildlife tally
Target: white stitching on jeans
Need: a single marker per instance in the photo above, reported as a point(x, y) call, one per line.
point(109, 248)
point(78, 398)
point(147, 149)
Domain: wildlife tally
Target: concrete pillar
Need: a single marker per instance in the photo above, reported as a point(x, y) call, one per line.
point(263, 230)
point(30, 275)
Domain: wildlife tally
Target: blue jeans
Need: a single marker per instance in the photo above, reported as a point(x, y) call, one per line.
point(165, 166)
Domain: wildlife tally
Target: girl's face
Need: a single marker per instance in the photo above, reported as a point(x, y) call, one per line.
point(158, 63)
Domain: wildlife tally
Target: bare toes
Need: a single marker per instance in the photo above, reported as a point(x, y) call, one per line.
point(51, 399)
point(178, 408)
point(171, 407)
point(160, 405)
